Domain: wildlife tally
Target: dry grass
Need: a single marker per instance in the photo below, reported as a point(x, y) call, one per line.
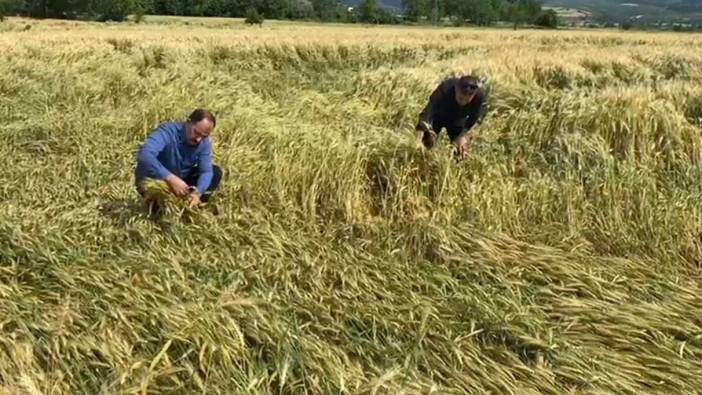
point(563, 256)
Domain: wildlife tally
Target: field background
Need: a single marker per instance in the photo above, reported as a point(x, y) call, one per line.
point(563, 256)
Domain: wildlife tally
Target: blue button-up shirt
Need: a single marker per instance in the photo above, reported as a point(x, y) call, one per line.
point(166, 152)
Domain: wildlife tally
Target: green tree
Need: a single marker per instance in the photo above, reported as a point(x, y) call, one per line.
point(548, 19)
point(165, 7)
point(253, 17)
point(213, 8)
point(274, 9)
point(416, 9)
point(300, 9)
point(454, 9)
point(9, 7)
point(490, 13)
point(521, 11)
point(385, 17)
point(325, 10)
point(233, 8)
point(111, 10)
point(481, 12)
point(69, 8)
point(367, 11)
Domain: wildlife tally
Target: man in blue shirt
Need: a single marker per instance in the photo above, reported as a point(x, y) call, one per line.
point(180, 153)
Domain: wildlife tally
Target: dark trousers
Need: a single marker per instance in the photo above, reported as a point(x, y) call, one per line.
point(191, 180)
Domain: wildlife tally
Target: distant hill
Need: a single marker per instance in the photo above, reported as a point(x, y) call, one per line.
point(645, 10)
point(393, 5)
point(611, 10)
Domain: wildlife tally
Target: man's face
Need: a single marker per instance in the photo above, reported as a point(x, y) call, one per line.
point(195, 132)
point(465, 93)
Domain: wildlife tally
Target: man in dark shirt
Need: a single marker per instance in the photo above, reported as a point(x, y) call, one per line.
point(457, 104)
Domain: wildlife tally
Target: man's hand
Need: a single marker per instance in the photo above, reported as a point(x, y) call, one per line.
point(178, 186)
point(462, 143)
point(425, 136)
point(429, 139)
point(418, 141)
point(424, 126)
point(195, 200)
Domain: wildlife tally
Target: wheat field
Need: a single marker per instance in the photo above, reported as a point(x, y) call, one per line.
point(563, 256)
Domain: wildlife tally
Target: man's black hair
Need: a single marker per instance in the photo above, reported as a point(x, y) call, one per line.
point(200, 114)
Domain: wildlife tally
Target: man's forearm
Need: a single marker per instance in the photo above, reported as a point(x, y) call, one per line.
point(464, 133)
point(469, 124)
point(154, 167)
point(170, 178)
point(426, 117)
point(147, 157)
point(203, 182)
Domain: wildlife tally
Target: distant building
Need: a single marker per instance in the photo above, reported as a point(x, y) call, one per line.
point(573, 17)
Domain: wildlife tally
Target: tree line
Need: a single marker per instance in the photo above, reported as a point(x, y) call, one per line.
point(459, 12)
point(480, 12)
